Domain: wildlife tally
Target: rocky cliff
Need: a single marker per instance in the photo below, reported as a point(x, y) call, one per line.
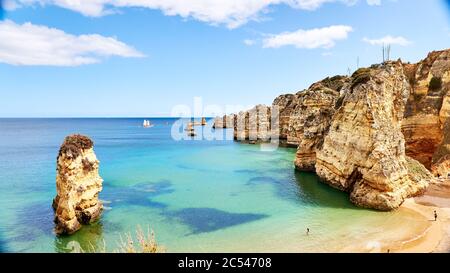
point(283, 107)
point(426, 124)
point(78, 184)
point(240, 126)
point(375, 134)
point(253, 125)
point(311, 119)
point(364, 153)
point(219, 122)
point(227, 121)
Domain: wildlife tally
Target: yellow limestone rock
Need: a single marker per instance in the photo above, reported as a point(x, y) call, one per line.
point(364, 152)
point(312, 120)
point(426, 125)
point(78, 184)
point(253, 125)
point(284, 107)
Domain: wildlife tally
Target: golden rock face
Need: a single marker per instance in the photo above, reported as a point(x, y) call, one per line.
point(376, 134)
point(363, 153)
point(78, 184)
point(286, 105)
point(426, 125)
point(310, 123)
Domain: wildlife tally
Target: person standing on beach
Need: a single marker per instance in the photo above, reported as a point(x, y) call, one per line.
point(435, 216)
point(307, 231)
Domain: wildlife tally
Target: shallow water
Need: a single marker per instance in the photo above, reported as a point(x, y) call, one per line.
point(202, 196)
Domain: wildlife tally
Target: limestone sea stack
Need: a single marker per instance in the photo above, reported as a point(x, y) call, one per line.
point(253, 125)
point(78, 184)
point(259, 123)
point(218, 123)
point(364, 150)
point(224, 122)
point(241, 126)
point(283, 109)
point(426, 123)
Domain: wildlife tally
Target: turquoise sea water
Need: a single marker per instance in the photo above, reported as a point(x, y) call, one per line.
point(201, 196)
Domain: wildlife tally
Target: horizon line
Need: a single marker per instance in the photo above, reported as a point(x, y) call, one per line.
point(75, 117)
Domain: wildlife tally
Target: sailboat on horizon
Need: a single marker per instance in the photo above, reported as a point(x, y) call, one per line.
point(147, 124)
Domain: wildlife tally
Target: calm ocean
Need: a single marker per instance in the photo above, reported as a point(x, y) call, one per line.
point(202, 196)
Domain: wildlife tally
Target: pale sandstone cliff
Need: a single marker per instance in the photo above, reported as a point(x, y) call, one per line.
point(241, 126)
point(363, 152)
point(227, 121)
point(219, 122)
point(427, 124)
point(311, 119)
point(368, 134)
point(284, 107)
point(78, 184)
point(253, 125)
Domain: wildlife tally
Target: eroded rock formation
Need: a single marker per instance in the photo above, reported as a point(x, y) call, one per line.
point(78, 184)
point(228, 121)
point(376, 134)
point(364, 152)
point(427, 124)
point(219, 122)
point(224, 122)
point(283, 109)
point(311, 121)
point(241, 126)
point(253, 125)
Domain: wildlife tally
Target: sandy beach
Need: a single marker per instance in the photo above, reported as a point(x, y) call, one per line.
point(431, 237)
point(436, 198)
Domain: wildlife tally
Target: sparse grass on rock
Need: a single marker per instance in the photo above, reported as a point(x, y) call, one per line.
point(417, 171)
point(74, 144)
point(361, 76)
point(143, 243)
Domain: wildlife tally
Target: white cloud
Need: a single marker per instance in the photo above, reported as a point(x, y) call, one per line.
point(374, 2)
point(232, 13)
point(313, 38)
point(9, 4)
point(29, 44)
point(388, 40)
point(249, 42)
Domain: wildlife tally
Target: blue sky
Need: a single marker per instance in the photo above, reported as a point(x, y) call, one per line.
point(60, 60)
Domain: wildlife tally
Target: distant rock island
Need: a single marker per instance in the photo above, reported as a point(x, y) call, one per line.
point(381, 134)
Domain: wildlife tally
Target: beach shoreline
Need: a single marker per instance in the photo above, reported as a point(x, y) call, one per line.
point(435, 238)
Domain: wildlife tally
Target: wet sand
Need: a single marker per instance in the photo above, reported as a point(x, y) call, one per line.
point(423, 235)
point(437, 198)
